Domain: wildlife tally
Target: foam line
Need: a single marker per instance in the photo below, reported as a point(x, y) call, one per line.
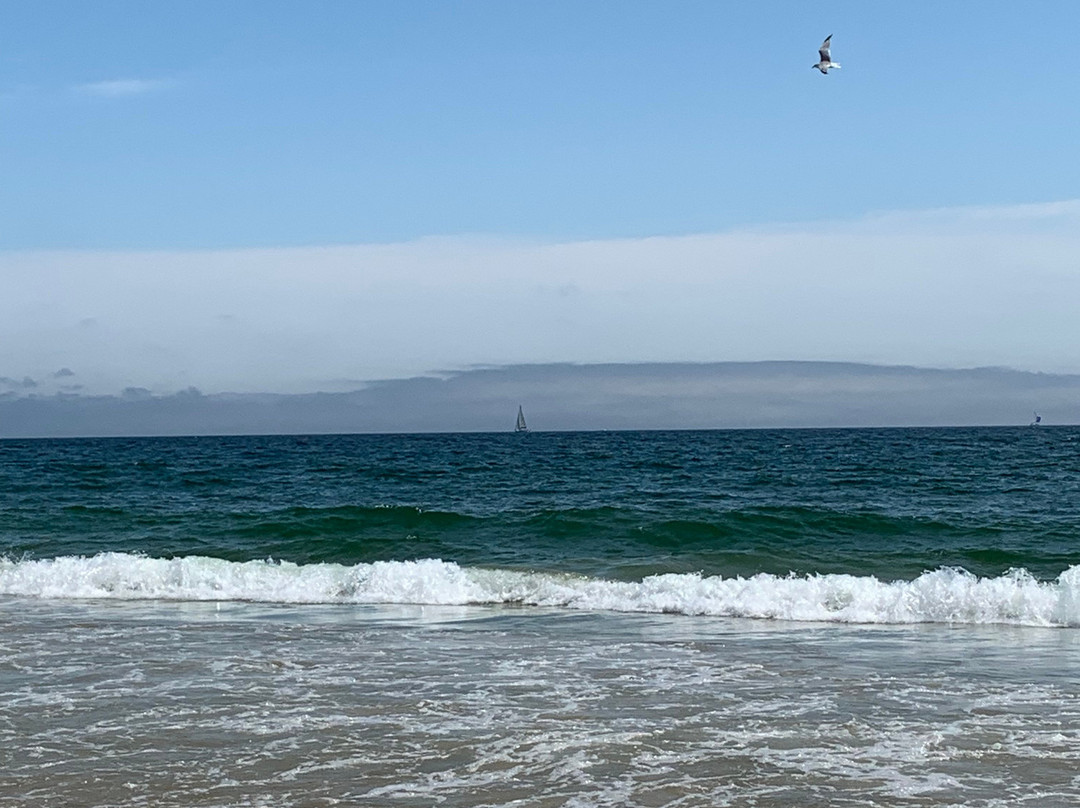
point(941, 596)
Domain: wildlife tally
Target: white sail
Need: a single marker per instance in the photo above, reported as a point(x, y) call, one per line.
point(520, 426)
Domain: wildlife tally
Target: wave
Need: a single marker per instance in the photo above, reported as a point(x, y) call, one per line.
point(614, 540)
point(947, 595)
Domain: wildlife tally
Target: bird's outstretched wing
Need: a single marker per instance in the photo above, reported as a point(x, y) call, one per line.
point(823, 51)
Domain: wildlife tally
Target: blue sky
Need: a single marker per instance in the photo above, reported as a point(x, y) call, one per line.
point(291, 123)
point(437, 148)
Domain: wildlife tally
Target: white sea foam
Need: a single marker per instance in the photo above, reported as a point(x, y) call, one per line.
point(940, 596)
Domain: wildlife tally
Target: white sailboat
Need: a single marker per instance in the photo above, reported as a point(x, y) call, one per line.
point(520, 425)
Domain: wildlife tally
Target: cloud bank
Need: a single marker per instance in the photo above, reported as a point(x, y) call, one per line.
point(577, 397)
point(949, 288)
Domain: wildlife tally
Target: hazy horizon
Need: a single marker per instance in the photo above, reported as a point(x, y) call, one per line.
point(575, 397)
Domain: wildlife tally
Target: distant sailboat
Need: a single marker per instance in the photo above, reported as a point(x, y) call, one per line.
point(520, 425)
point(1037, 421)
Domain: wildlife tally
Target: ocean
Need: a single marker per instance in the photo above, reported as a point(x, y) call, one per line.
point(881, 617)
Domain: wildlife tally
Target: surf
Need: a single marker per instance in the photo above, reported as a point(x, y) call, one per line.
point(947, 595)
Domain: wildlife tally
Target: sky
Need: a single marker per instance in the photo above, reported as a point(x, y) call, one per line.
point(301, 196)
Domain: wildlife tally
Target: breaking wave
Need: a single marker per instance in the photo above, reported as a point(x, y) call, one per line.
point(947, 595)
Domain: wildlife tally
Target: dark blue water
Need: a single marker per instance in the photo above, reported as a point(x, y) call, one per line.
point(891, 503)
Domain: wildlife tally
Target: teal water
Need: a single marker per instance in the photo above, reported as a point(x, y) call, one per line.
point(887, 503)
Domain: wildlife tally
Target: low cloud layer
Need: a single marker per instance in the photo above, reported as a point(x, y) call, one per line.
point(579, 397)
point(949, 288)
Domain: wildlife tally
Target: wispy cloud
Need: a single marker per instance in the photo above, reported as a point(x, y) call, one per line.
point(122, 88)
point(17, 93)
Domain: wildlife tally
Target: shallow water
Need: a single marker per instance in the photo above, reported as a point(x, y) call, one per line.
point(242, 704)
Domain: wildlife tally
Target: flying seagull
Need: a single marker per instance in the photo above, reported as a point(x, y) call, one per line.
point(826, 60)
